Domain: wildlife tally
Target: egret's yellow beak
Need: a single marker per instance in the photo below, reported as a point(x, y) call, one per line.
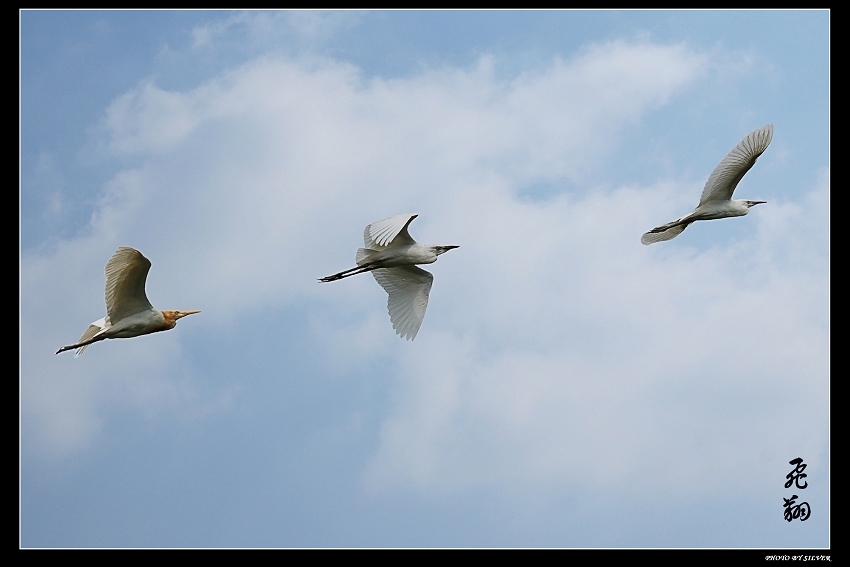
point(179, 314)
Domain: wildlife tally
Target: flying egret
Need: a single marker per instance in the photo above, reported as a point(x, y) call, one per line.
point(128, 311)
point(391, 254)
point(716, 201)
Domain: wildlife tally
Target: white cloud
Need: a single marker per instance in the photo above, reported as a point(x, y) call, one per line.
point(266, 159)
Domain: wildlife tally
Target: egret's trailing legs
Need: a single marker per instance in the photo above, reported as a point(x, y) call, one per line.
point(346, 273)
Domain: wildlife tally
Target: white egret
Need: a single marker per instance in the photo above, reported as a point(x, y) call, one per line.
point(128, 311)
point(716, 201)
point(391, 254)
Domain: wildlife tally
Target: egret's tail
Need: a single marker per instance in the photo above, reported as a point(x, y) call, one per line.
point(363, 255)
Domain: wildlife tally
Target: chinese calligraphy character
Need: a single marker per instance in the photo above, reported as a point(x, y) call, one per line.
point(794, 511)
point(795, 476)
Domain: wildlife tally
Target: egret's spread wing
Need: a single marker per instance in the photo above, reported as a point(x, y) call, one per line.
point(408, 288)
point(728, 173)
point(387, 231)
point(126, 273)
point(661, 236)
point(93, 329)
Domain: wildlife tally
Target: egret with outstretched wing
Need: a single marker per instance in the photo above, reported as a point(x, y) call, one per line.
point(128, 311)
point(716, 201)
point(391, 255)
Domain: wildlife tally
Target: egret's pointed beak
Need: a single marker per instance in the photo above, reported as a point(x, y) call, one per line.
point(751, 203)
point(179, 314)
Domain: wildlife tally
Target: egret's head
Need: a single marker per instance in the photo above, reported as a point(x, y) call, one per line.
point(172, 316)
point(753, 203)
point(442, 249)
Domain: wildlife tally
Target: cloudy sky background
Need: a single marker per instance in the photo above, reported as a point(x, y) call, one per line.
point(569, 387)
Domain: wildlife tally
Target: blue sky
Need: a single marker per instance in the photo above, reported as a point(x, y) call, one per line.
point(569, 387)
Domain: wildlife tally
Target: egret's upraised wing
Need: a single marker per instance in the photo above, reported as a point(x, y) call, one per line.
point(408, 288)
point(126, 273)
point(384, 232)
point(728, 173)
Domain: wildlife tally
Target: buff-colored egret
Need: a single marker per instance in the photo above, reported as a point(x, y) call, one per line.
point(128, 311)
point(391, 254)
point(716, 201)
